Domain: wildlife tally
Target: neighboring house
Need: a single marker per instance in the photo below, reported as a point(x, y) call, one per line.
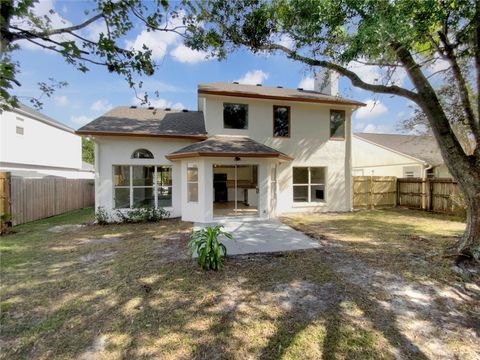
point(397, 155)
point(34, 145)
point(248, 150)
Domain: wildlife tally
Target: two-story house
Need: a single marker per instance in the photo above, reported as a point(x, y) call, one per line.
point(253, 151)
point(34, 145)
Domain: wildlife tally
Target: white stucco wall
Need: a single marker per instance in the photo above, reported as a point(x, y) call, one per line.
point(41, 144)
point(369, 159)
point(309, 145)
point(111, 151)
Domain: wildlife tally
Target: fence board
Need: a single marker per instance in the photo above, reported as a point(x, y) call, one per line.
point(33, 199)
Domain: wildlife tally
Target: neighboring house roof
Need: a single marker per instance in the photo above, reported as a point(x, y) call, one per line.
point(130, 121)
point(23, 109)
point(421, 147)
point(275, 93)
point(221, 146)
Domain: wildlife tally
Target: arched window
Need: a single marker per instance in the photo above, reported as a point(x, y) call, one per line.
point(142, 154)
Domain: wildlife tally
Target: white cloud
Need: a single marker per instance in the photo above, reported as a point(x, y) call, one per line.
point(80, 120)
point(160, 103)
point(307, 83)
point(184, 54)
point(94, 29)
point(101, 106)
point(438, 65)
point(375, 75)
point(379, 129)
point(253, 77)
point(373, 109)
point(287, 41)
point(61, 100)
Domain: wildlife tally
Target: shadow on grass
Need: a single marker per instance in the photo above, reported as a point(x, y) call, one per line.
point(148, 302)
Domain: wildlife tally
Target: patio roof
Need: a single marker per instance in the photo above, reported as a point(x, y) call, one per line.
point(228, 146)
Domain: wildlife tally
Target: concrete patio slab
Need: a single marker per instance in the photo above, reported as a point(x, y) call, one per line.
point(261, 236)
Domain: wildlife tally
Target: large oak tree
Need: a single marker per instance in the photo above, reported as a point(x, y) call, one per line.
point(392, 35)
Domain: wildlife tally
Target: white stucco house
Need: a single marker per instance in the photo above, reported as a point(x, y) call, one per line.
point(34, 145)
point(397, 155)
point(253, 151)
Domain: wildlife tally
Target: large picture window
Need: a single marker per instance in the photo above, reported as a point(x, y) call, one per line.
point(309, 184)
point(281, 121)
point(235, 116)
point(337, 124)
point(142, 186)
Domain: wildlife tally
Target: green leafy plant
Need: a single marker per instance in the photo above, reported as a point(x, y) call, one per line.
point(143, 214)
point(209, 250)
point(101, 216)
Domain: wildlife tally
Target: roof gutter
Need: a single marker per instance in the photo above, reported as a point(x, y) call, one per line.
point(229, 154)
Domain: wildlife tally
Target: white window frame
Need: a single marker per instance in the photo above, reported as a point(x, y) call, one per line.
point(192, 166)
point(310, 184)
point(131, 186)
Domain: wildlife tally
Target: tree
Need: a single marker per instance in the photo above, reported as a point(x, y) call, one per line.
point(394, 36)
point(19, 23)
point(88, 150)
point(452, 104)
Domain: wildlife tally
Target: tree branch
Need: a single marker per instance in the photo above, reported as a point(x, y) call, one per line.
point(450, 56)
point(47, 33)
point(354, 78)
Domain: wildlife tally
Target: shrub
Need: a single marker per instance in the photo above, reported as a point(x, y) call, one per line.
point(143, 214)
point(101, 216)
point(209, 250)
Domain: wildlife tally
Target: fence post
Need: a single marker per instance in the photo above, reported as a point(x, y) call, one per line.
point(5, 211)
point(370, 189)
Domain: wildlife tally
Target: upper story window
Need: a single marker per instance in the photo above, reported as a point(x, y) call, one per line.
point(142, 154)
point(337, 124)
point(235, 116)
point(281, 121)
point(19, 130)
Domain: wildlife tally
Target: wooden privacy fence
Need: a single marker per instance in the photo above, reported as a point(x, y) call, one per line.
point(436, 195)
point(33, 199)
point(374, 191)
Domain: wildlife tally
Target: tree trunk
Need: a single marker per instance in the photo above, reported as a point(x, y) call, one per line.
point(469, 244)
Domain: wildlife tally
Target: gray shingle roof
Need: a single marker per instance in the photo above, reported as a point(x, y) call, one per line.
point(27, 110)
point(124, 120)
point(421, 147)
point(228, 146)
point(270, 92)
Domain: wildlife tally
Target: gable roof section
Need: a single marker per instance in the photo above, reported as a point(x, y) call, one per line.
point(127, 121)
point(228, 146)
point(273, 93)
point(25, 110)
point(421, 147)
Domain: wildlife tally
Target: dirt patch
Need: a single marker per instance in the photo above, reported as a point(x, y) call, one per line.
point(96, 256)
point(66, 228)
point(94, 351)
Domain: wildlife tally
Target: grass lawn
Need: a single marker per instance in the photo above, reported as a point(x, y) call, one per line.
point(376, 289)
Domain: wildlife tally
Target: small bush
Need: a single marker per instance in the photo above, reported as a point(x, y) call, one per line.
point(101, 216)
point(143, 214)
point(209, 250)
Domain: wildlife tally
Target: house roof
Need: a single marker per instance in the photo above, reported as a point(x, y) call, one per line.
point(275, 93)
point(232, 146)
point(129, 121)
point(421, 147)
point(23, 109)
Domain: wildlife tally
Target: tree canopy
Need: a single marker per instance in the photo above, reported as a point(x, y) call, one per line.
point(19, 24)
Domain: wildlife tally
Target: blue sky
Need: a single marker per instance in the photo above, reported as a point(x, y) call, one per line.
point(90, 94)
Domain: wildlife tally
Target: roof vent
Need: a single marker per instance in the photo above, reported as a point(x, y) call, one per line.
point(259, 84)
point(151, 108)
point(235, 82)
point(185, 110)
point(300, 89)
point(133, 107)
point(167, 109)
point(280, 87)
